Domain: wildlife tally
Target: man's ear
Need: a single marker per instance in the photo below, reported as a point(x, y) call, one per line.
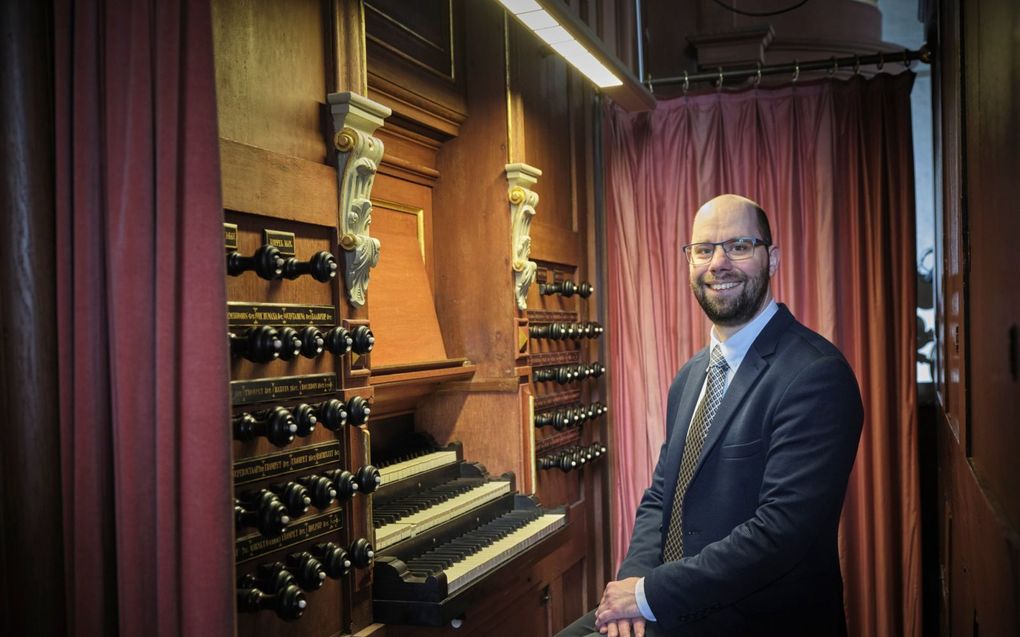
point(773, 260)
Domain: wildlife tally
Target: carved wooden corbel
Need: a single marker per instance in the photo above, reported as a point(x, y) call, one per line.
point(521, 177)
point(358, 153)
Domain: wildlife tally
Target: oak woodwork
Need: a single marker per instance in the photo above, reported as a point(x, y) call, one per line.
point(271, 75)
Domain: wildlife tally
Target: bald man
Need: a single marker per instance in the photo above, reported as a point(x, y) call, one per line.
point(737, 533)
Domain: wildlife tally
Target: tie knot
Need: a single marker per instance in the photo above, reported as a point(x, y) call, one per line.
point(718, 360)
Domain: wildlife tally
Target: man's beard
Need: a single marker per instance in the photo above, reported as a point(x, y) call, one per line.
point(738, 310)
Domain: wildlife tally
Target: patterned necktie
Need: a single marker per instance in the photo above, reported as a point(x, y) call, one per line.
point(696, 435)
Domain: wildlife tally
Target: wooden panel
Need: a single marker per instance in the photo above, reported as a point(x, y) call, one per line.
point(994, 317)
point(950, 337)
point(419, 32)
point(414, 64)
point(404, 316)
point(486, 422)
point(543, 82)
point(271, 74)
point(980, 553)
point(473, 278)
point(265, 182)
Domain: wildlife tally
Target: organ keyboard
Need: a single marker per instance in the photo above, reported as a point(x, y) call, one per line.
point(429, 580)
point(415, 513)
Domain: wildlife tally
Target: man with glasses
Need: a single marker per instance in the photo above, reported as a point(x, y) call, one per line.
point(737, 533)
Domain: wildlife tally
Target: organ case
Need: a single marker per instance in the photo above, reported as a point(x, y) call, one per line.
point(454, 360)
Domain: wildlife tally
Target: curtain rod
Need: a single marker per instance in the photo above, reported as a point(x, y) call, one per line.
point(833, 64)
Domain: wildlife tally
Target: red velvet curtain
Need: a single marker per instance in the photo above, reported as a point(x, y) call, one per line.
point(831, 161)
point(142, 308)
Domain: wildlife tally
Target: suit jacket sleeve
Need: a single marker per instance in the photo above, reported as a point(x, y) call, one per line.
point(645, 552)
point(812, 443)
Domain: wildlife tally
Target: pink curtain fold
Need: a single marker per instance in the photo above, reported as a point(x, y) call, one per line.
point(831, 162)
point(145, 447)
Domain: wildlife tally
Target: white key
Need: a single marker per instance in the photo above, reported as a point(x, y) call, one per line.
point(436, 515)
point(474, 566)
point(414, 466)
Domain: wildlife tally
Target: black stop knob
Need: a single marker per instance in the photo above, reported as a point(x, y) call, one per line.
point(368, 479)
point(338, 341)
point(306, 419)
point(358, 410)
point(320, 489)
point(307, 570)
point(263, 511)
point(277, 425)
point(289, 603)
point(291, 343)
point(260, 344)
point(585, 289)
point(596, 369)
point(363, 340)
point(361, 553)
point(334, 559)
point(312, 341)
point(344, 482)
point(322, 266)
point(564, 374)
point(266, 262)
point(294, 496)
point(273, 576)
point(332, 414)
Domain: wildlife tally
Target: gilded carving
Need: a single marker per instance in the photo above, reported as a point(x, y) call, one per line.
point(355, 119)
point(521, 177)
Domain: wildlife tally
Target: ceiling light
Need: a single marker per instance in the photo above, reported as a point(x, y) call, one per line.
point(545, 26)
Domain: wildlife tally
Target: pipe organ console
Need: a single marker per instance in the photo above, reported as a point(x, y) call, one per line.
point(408, 352)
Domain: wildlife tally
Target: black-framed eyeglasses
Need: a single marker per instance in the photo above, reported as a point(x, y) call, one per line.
point(736, 249)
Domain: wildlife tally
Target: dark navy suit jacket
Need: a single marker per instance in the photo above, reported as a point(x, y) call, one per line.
point(762, 510)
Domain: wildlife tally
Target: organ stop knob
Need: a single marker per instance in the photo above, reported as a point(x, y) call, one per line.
point(335, 560)
point(322, 266)
point(266, 262)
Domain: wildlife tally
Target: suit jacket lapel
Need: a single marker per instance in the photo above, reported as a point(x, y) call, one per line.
point(753, 365)
point(750, 369)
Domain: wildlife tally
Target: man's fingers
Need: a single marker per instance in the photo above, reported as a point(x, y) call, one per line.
point(611, 630)
point(639, 628)
point(623, 626)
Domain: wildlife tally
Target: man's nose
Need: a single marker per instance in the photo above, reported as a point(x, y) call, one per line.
point(720, 260)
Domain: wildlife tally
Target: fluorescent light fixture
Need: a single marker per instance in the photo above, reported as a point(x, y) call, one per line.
point(536, 20)
point(520, 6)
point(545, 26)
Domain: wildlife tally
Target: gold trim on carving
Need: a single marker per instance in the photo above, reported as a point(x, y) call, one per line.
point(517, 195)
point(345, 140)
point(348, 241)
point(419, 214)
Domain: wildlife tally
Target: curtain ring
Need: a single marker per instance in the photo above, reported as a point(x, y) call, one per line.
point(687, 83)
point(757, 75)
point(718, 82)
point(881, 61)
point(835, 66)
point(857, 65)
point(796, 70)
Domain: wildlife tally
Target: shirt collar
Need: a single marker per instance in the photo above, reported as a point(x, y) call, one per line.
point(735, 347)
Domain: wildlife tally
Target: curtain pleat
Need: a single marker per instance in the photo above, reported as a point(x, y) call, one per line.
point(831, 161)
point(142, 301)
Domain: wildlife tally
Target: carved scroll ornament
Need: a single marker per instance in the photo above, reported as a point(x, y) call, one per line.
point(358, 153)
point(521, 177)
